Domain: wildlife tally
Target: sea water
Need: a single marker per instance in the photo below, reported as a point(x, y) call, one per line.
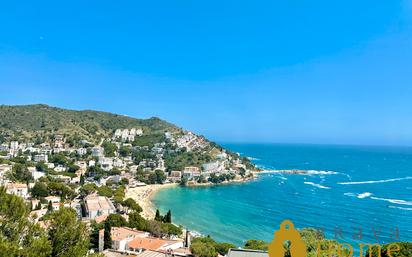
point(354, 194)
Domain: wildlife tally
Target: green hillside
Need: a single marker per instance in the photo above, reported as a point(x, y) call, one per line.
point(41, 120)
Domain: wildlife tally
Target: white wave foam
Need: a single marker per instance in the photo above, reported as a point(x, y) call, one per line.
point(395, 201)
point(321, 172)
point(316, 185)
point(360, 196)
point(374, 181)
point(301, 172)
point(350, 194)
point(252, 158)
point(400, 208)
point(364, 195)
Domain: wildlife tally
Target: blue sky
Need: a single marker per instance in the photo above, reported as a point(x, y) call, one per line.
point(332, 72)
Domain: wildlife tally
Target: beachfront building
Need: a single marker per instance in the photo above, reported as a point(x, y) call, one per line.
point(121, 236)
point(246, 253)
point(98, 205)
point(212, 167)
point(191, 172)
point(140, 244)
point(175, 175)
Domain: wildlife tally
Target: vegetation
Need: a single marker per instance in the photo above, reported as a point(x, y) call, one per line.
point(20, 173)
point(221, 178)
point(254, 244)
point(116, 220)
point(405, 249)
point(110, 149)
point(131, 204)
point(19, 237)
point(148, 140)
point(43, 121)
point(68, 236)
point(138, 222)
point(207, 247)
point(179, 160)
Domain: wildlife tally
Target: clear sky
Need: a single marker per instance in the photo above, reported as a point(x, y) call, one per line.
point(292, 71)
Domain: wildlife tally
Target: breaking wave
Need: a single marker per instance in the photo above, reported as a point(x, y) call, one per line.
point(252, 159)
point(301, 172)
point(364, 195)
point(321, 172)
point(316, 185)
point(374, 181)
point(360, 196)
point(395, 201)
point(400, 208)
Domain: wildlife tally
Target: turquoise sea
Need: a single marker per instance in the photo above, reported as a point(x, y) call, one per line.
point(354, 190)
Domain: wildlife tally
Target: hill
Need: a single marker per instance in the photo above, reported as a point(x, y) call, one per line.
point(41, 120)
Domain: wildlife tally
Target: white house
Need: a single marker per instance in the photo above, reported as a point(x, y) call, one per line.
point(14, 145)
point(92, 163)
point(139, 244)
point(81, 151)
point(18, 189)
point(121, 236)
point(97, 151)
point(53, 199)
point(41, 158)
point(118, 163)
point(60, 168)
point(76, 205)
point(98, 205)
point(4, 168)
point(106, 163)
point(212, 167)
point(35, 174)
point(191, 172)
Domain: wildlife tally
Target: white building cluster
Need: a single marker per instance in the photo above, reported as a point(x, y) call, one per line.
point(127, 134)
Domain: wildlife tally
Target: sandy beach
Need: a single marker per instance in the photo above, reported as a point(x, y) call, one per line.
point(143, 196)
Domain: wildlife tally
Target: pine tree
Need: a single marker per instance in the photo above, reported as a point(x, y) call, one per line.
point(158, 217)
point(168, 217)
point(38, 206)
point(81, 180)
point(20, 237)
point(69, 237)
point(50, 207)
point(107, 235)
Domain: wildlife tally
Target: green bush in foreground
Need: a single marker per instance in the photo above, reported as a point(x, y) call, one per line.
point(19, 237)
point(207, 247)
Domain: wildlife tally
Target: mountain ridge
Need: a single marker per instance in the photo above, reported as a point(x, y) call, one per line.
point(42, 119)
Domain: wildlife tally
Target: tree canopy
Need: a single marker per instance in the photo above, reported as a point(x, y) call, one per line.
point(18, 236)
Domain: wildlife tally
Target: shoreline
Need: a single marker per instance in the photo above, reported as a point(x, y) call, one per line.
point(143, 195)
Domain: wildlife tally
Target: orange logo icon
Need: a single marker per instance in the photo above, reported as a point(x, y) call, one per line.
point(287, 232)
